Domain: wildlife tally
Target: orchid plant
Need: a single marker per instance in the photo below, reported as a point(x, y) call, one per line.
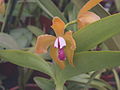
point(71, 52)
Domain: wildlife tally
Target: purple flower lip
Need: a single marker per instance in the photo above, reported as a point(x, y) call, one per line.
point(60, 43)
point(61, 54)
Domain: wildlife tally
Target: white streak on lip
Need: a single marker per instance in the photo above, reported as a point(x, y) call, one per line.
point(61, 42)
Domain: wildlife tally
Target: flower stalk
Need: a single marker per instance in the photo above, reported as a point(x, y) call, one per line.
point(6, 15)
point(70, 23)
point(59, 87)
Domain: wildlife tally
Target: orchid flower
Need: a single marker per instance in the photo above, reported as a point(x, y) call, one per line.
point(86, 17)
point(61, 47)
point(2, 7)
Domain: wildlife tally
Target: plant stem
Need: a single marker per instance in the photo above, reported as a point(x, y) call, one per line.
point(6, 15)
point(59, 84)
point(24, 75)
point(21, 78)
point(92, 78)
point(61, 3)
point(27, 75)
point(20, 13)
point(116, 79)
point(59, 87)
point(72, 22)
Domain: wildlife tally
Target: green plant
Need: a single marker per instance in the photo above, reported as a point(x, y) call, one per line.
point(85, 61)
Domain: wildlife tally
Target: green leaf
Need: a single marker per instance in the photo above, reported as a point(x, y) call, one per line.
point(95, 33)
point(116, 44)
point(75, 85)
point(7, 41)
point(26, 59)
point(88, 61)
point(82, 78)
point(117, 79)
point(101, 85)
point(96, 83)
point(117, 2)
point(22, 36)
point(71, 11)
point(49, 7)
point(44, 84)
point(25, 12)
point(36, 31)
point(30, 1)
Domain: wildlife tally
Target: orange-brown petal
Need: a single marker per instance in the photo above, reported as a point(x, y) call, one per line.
point(58, 26)
point(90, 4)
point(69, 54)
point(43, 42)
point(54, 56)
point(86, 18)
point(69, 40)
point(70, 46)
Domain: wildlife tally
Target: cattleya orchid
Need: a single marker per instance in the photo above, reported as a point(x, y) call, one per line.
point(61, 47)
point(2, 7)
point(86, 17)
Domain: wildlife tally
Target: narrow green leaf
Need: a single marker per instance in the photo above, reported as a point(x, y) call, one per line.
point(117, 79)
point(95, 83)
point(7, 41)
point(44, 84)
point(116, 44)
point(49, 7)
point(117, 2)
point(71, 85)
point(111, 44)
point(30, 1)
point(98, 83)
point(91, 61)
point(26, 59)
point(95, 33)
point(36, 31)
point(71, 11)
point(82, 78)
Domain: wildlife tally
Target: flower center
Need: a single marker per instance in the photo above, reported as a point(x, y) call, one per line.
point(60, 44)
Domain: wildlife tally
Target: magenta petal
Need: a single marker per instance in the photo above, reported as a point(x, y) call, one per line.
point(61, 54)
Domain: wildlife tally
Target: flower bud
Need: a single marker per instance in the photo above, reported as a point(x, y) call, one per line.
point(86, 18)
